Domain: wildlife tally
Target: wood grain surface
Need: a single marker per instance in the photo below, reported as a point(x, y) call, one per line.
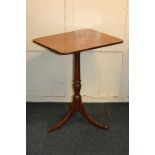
point(77, 41)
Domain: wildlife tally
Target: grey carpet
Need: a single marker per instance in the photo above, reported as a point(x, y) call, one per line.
point(77, 137)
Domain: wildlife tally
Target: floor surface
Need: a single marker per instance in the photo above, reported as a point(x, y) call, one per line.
point(77, 137)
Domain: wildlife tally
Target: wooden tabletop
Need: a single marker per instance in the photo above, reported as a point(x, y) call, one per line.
point(77, 41)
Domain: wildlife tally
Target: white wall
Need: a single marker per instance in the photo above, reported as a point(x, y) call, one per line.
point(104, 71)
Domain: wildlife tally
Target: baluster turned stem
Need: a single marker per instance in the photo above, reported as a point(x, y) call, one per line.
point(77, 80)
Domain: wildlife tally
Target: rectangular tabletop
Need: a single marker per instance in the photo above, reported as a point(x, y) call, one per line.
point(77, 41)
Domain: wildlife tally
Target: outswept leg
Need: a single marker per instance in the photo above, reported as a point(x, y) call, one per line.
point(91, 119)
point(62, 122)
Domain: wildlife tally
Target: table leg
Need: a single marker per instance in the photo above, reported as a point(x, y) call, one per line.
point(77, 105)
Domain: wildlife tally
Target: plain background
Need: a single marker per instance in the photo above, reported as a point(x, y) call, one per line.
point(104, 71)
point(13, 77)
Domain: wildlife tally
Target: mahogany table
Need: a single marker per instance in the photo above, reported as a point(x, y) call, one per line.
point(73, 43)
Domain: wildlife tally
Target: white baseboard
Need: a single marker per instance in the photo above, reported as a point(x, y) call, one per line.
point(69, 99)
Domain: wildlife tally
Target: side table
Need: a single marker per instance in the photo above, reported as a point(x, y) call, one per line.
point(73, 43)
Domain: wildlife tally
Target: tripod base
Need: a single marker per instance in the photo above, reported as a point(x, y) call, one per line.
point(77, 108)
point(77, 105)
